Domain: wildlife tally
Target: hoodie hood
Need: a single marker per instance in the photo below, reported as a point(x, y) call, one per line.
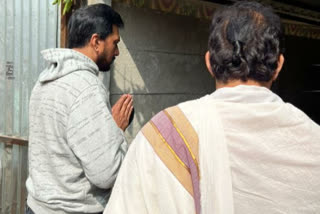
point(61, 62)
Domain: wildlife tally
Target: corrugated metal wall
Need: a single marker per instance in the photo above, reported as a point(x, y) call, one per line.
point(26, 28)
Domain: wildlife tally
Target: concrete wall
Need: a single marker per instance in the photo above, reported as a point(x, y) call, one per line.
point(161, 62)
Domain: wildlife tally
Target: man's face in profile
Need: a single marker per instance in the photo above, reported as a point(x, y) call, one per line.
point(110, 51)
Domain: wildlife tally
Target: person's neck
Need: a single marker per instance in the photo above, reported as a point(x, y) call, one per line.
point(87, 52)
point(234, 83)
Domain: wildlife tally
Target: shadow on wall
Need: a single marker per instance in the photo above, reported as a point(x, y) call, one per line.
point(161, 62)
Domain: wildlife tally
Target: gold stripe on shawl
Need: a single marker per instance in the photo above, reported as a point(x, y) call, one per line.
point(167, 154)
point(191, 152)
point(186, 128)
point(168, 157)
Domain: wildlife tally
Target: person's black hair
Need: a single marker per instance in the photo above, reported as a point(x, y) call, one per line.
point(245, 42)
point(86, 21)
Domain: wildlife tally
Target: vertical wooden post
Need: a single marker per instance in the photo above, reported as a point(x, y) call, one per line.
point(63, 27)
point(64, 21)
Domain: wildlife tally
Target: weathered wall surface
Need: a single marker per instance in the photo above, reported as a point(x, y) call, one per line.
point(161, 62)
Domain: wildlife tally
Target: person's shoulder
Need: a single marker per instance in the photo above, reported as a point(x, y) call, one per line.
point(191, 107)
point(184, 111)
point(301, 117)
point(81, 81)
point(83, 78)
point(304, 130)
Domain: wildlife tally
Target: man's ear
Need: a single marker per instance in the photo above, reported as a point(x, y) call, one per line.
point(208, 64)
point(95, 42)
point(277, 71)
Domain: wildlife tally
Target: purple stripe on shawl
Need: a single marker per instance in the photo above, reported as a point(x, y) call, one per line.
point(170, 134)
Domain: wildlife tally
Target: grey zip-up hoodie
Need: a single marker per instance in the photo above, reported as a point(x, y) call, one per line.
point(75, 146)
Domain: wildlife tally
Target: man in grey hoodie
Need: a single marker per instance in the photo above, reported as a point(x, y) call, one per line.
point(76, 141)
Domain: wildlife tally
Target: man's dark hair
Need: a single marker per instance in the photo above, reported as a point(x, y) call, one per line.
point(86, 21)
point(245, 42)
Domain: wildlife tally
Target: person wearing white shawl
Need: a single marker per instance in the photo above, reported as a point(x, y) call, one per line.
point(239, 150)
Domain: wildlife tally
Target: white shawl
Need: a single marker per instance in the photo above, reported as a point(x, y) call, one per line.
point(258, 155)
